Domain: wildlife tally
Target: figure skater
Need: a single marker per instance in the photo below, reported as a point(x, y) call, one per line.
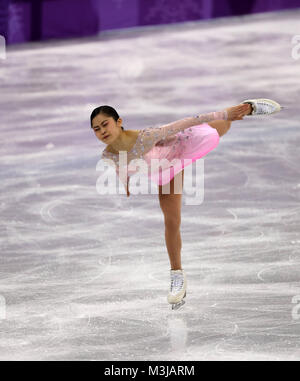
point(188, 138)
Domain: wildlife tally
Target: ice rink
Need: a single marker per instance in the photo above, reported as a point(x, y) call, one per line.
point(85, 276)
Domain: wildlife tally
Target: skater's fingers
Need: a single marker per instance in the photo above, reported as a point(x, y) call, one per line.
point(243, 108)
point(238, 117)
point(236, 112)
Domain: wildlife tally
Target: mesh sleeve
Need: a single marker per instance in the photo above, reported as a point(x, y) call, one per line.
point(152, 135)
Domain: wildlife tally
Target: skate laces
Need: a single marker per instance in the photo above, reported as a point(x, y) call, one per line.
point(177, 281)
point(264, 108)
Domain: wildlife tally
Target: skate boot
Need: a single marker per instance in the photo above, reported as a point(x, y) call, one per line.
point(263, 106)
point(177, 289)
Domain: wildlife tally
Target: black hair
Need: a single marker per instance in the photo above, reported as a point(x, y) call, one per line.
point(108, 110)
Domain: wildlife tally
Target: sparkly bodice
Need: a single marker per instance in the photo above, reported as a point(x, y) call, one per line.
point(154, 136)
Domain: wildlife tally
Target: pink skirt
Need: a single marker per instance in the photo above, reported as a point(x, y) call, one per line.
point(190, 144)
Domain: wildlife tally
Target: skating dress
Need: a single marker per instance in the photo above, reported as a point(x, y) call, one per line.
point(174, 145)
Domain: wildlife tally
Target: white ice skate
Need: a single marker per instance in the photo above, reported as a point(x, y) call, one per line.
point(177, 289)
point(263, 106)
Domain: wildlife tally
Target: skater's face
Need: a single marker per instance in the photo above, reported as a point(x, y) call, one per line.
point(106, 128)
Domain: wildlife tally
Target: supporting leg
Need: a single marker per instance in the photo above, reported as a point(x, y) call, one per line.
point(171, 207)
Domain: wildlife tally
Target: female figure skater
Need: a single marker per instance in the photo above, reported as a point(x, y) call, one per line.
point(188, 138)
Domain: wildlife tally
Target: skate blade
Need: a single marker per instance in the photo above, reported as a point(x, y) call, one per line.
point(175, 306)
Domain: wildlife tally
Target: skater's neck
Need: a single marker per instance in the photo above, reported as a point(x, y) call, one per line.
point(124, 142)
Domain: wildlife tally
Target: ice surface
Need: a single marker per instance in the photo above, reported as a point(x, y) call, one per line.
point(85, 276)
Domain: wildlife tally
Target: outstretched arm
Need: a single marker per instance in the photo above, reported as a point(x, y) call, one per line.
point(182, 124)
point(151, 135)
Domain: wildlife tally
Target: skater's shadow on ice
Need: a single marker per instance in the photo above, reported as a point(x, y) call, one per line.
point(177, 331)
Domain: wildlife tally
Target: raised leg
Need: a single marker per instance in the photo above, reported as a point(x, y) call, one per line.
point(222, 126)
point(171, 207)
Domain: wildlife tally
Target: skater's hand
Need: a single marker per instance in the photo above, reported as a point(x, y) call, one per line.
point(238, 112)
point(127, 187)
point(127, 190)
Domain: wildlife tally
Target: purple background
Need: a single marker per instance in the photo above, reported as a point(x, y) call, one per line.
point(33, 20)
